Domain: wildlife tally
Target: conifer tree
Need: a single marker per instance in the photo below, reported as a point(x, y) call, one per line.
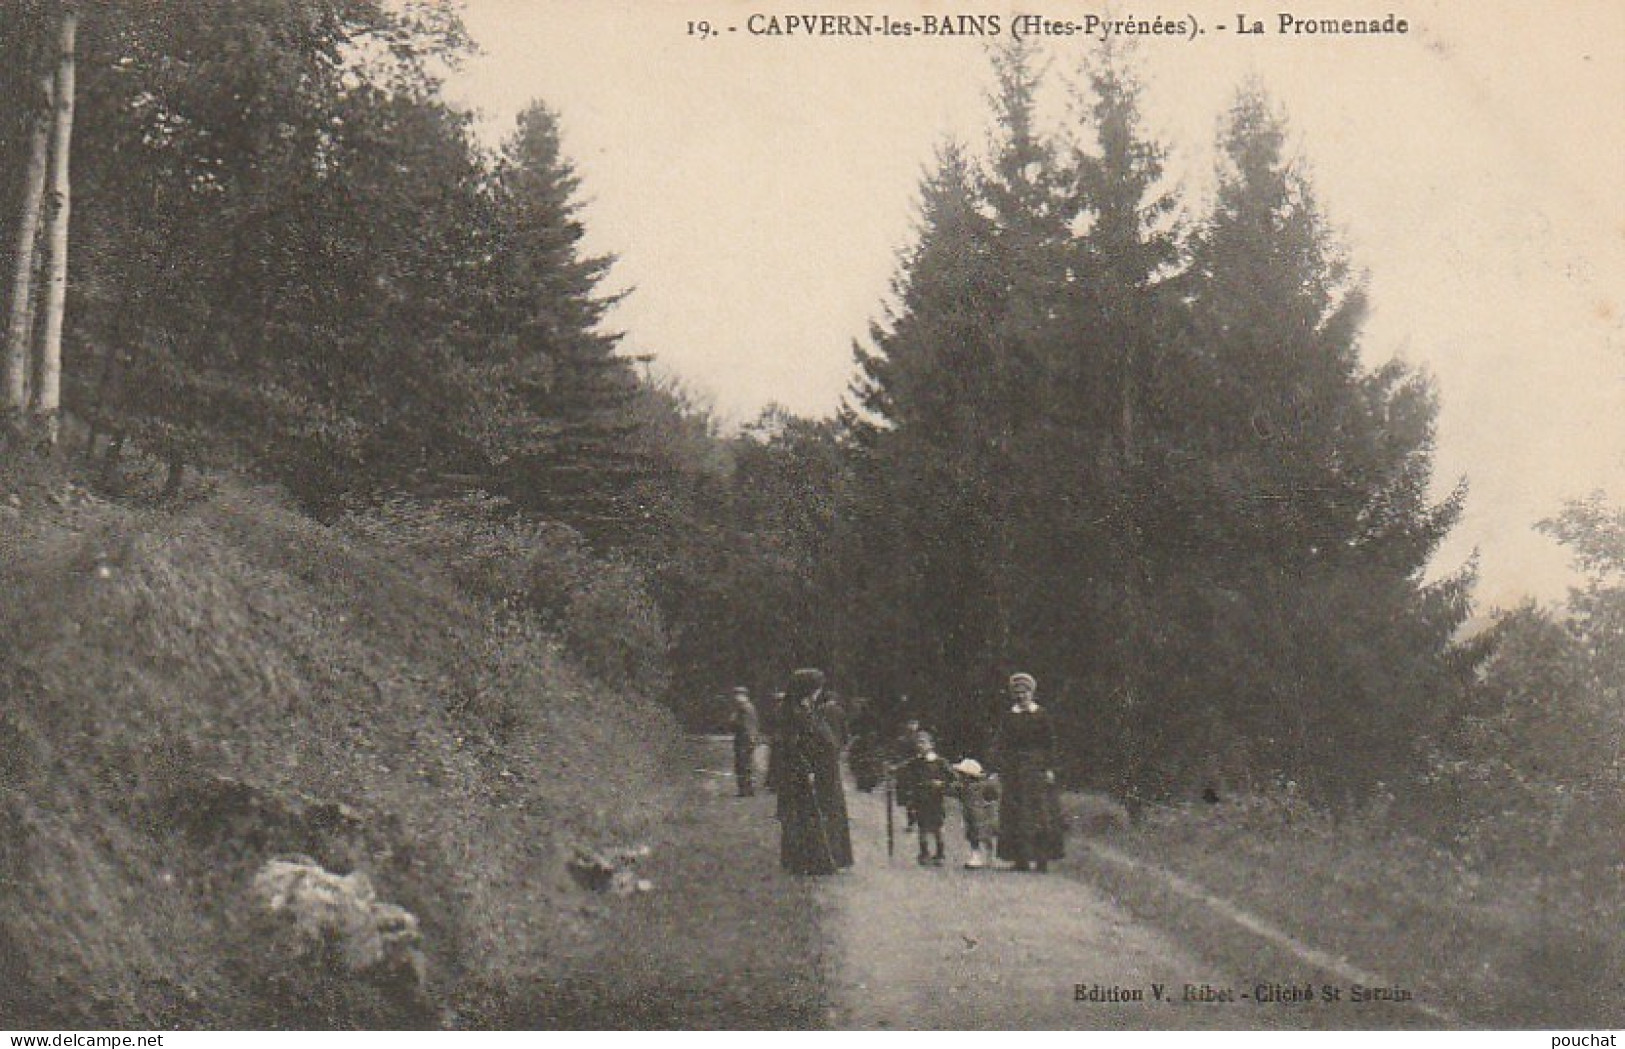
point(956, 390)
point(1305, 517)
point(922, 420)
point(1113, 329)
point(578, 461)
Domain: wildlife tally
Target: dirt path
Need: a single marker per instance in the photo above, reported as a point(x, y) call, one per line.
point(918, 948)
point(922, 947)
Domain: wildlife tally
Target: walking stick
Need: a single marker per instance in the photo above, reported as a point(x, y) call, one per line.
point(891, 834)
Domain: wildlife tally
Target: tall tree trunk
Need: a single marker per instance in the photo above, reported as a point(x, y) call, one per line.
point(20, 326)
point(48, 388)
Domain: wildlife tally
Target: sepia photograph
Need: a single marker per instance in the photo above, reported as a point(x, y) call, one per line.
point(699, 515)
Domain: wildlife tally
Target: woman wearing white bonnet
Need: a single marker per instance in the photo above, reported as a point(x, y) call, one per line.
point(1025, 750)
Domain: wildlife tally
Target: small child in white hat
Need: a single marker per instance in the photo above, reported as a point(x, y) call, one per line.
point(979, 801)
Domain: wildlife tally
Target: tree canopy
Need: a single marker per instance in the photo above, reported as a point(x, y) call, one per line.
point(1147, 463)
point(1100, 432)
point(292, 255)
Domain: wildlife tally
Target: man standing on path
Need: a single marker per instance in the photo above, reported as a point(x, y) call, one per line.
point(744, 724)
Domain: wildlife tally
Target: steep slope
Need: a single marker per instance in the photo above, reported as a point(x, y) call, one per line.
point(189, 694)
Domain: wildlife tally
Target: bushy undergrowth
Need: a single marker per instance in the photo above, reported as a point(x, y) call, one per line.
point(600, 608)
point(161, 667)
point(1502, 939)
point(1492, 869)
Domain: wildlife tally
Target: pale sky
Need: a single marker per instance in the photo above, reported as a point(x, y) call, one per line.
point(758, 190)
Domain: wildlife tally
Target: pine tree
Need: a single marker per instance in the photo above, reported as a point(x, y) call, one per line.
point(1114, 326)
point(955, 448)
point(925, 419)
point(579, 462)
point(1030, 211)
point(1302, 505)
point(1130, 247)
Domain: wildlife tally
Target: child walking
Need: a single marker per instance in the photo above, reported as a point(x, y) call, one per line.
point(925, 780)
point(979, 800)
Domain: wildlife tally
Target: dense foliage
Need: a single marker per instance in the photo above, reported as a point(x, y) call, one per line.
point(1136, 454)
point(1149, 465)
point(290, 254)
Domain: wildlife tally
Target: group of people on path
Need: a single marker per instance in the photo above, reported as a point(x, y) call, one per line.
point(1015, 804)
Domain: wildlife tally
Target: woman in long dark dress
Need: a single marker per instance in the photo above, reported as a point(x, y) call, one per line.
point(814, 836)
point(1030, 816)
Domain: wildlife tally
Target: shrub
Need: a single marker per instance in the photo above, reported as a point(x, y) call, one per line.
point(491, 554)
point(613, 627)
point(600, 608)
point(1534, 748)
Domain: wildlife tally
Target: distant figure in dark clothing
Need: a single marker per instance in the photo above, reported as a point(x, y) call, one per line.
point(924, 782)
point(902, 753)
point(1030, 812)
point(744, 725)
point(903, 746)
point(813, 835)
point(867, 759)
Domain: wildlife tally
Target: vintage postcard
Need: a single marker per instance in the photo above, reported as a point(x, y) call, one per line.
point(716, 514)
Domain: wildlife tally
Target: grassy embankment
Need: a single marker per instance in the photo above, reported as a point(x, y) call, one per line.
point(191, 691)
point(1528, 944)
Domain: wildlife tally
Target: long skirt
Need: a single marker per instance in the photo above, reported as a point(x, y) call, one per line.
point(1029, 818)
point(814, 837)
